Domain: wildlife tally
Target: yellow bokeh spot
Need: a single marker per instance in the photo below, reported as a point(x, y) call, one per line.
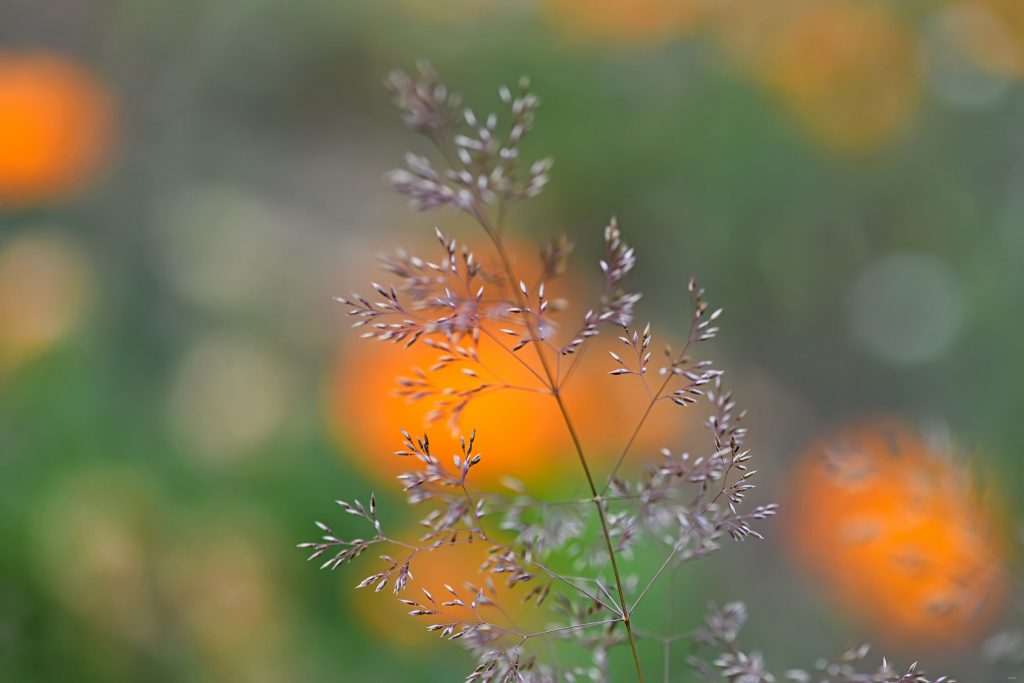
point(230, 396)
point(94, 537)
point(44, 287)
point(220, 583)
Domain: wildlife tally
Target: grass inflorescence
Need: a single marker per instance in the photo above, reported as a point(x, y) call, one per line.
point(689, 502)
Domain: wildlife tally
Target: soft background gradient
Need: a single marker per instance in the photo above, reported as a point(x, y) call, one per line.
point(185, 185)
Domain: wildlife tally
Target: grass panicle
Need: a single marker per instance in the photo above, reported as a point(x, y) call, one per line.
point(690, 502)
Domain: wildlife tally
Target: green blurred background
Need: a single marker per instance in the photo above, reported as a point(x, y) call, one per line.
point(844, 177)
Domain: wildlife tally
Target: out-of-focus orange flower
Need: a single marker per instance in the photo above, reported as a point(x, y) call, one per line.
point(520, 433)
point(457, 566)
point(991, 32)
point(220, 583)
point(897, 531)
point(44, 286)
point(744, 29)
point(626, 21)
point(847, 69)
point(55, 126)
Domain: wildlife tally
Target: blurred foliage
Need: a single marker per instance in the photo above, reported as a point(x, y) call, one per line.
point(167, 329)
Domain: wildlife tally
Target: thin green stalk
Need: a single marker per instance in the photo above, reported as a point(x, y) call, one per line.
point(557, 395)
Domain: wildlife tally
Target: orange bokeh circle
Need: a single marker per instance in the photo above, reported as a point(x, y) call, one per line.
point(513, 427)
point(55, 126)
point(520, 433)
point(898, 533)
point(849, 71)
point(995, 37)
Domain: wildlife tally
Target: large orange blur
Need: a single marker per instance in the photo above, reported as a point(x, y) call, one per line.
point(848, 70)
point(55, 127)
point(996, 43)
point(520, 433)
point(897, 531)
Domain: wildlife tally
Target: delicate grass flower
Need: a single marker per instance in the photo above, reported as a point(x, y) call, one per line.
point(688, 502)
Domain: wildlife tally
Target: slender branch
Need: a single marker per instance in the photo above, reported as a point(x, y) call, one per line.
point(574, 627)
point(650, 584)
point(556, 393)
point(636, 432)
point(515, 355)
point(650, 406)
point(568, 580)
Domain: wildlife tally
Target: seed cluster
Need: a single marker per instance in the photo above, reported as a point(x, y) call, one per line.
point(687, 504)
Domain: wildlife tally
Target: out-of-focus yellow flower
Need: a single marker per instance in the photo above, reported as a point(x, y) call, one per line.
point(625, 21)
point(231, 394)
point(102, 543)
point(94, 538)
point(55, 126)
point(220, 584)
point(899, 534)
point(44, 288)
point(847, 69)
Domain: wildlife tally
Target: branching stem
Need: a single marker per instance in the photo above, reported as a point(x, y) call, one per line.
point(552, 382)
